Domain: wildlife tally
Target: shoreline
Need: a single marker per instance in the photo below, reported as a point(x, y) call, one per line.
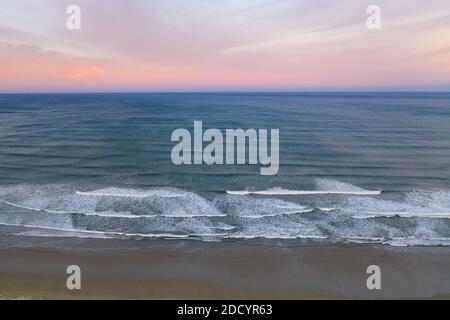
point(180, 269)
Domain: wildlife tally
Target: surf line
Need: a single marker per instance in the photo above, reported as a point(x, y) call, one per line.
point(237, 143)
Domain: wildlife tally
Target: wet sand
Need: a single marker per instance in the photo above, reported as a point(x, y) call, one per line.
point(35, 268)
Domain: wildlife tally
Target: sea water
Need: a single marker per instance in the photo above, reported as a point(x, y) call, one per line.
point(354, 168)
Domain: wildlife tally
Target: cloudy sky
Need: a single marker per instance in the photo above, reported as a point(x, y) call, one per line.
point(204, 45)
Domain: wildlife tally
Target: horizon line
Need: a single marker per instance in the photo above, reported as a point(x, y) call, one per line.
point(224, 92)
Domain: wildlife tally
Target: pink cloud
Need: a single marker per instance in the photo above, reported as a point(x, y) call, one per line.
point(294, 44)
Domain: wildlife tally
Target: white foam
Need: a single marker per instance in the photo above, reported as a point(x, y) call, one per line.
point(115, 214)
point(412, 241)
point(96, 214)
point(32, 209)
point(436, 215)
point(324, 186)
point(285, 192)
point(400, 241)
point(326, 209)
point(277, 214)
point(94, 232)
point(364, 239)
point(209, 234)
point(132, 193)
point(275, 236)
point(111, 202)
point(56, 207)
point(226, 228)
point(433, 205)
point(212, 215)
point(253, 208)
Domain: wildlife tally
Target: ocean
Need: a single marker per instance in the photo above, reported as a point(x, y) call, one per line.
point(354, 168)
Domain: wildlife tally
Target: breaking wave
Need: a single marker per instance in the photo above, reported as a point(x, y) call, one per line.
point(325, 187)
point(132, 193)
point(356, 215)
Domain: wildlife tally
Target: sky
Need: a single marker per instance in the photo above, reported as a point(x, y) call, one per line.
point(224, 45)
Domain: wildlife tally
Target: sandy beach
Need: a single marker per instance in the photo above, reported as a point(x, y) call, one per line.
point(195, 270)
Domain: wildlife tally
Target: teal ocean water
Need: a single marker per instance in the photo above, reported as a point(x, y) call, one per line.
point(354, 167)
